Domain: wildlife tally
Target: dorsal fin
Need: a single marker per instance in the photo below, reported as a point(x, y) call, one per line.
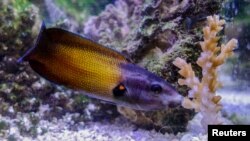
point(57, 35)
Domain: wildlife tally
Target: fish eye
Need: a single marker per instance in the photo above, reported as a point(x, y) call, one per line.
point(156, 88)
point(119, 90)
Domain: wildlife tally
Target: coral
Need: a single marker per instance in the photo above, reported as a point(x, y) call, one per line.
point(21, 89)
point(115, 23)
point(16, 31)
point(202, 91)
point(152, 34)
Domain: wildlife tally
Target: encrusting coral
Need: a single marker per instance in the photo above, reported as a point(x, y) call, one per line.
point(203, 92)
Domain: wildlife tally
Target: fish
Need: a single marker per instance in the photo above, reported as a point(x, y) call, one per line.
point(71, 60)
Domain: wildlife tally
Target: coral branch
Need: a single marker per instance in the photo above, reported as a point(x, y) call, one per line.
point(203, 91)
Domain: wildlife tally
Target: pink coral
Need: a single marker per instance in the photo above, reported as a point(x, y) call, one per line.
point(202, 91)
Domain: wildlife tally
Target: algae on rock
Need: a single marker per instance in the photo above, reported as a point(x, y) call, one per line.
point(153, 34)
point(21, 89)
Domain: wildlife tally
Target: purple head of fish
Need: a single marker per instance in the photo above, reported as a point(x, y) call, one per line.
point(146, 91)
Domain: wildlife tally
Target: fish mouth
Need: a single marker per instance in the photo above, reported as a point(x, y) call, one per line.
point(172, 101)
point(174, 105)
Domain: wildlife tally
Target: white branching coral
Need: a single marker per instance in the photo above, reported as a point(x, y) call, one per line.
point(202, 95)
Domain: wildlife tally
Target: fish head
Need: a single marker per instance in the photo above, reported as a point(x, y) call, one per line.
point(144, 90)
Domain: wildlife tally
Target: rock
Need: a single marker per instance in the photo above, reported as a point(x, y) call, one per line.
point(152, 34)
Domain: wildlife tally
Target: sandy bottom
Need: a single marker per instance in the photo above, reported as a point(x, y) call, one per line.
point(236, 108)
point(120, 130)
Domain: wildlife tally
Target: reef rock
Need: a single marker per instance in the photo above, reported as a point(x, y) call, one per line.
point(23, 90)
point(153, 34)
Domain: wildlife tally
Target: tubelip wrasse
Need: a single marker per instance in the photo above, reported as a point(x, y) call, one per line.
point(68, 59)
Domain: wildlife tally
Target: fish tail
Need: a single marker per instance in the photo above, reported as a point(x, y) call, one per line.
point(40, 39)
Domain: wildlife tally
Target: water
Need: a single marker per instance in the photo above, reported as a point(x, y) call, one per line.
point(235, 74)
point(237, 14)
point(148, 31)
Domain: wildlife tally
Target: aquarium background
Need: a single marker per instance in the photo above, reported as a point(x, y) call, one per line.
point(33, 109)
point(235, 73)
